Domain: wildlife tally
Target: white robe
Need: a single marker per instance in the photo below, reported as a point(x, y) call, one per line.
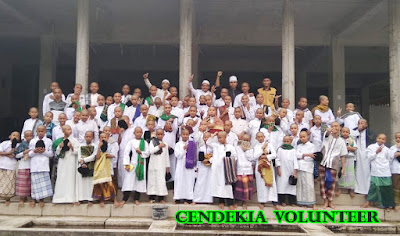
point(131, 182)
point(84, 185)
point(264, 193)
point(363, 167)
point(170, 140)
point(202, 190)
point(126, 136)
point(275, 137)
point(287, 161)
point(184, 178)
point(65, 189)
point(156, 184)
point(218, 187)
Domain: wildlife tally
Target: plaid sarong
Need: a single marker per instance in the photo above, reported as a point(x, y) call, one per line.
point(244, 187)
point(327, 193)
point(229, 170)
point(381, 191)
point(41, 185)
point(23, 188)
point(396, 188)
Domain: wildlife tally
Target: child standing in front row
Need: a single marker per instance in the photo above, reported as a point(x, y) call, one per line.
point(202, 190)
point(348, 180)
point(23, 185)
point(395, 168)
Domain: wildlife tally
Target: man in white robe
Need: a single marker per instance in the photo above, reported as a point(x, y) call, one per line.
point(133, 182)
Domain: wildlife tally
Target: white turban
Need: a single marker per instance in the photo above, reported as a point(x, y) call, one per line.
point(205, 82)
point(233, 79)
point(165, 81)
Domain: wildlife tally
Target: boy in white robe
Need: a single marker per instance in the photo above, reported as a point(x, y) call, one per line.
point(84, 184)
point(272, 134)
point(255, 125)
point(85, 125)
point(265, 192)
point(284, 104)
point(350, 118)
point(316, 133)
point(131, 110)
point(286, 166)
point(299, 121)
point(202, 190)
point(99, 110)
point(302, 106)
point(91, 98)
point(67, 152)
point(125, 136)
point(231, 138)
point(135, 169)
point(305, 192)
point(219, 188)
point(158, 168)
point(32, 123)
point(239, 126)
point(184, 174)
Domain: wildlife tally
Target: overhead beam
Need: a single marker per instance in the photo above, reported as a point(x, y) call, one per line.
point(357, 18)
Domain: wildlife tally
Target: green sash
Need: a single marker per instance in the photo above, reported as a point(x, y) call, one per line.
point(122, 106)
point(165, 117)
point(287, 147)
point(150, 101)
point(103, 115)
point(140, 165)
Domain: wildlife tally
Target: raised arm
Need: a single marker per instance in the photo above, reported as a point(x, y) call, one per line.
point(192, 89)
point(217, 80)
point(146, 80)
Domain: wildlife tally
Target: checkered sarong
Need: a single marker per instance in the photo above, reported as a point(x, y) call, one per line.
point(327, 194)
point(7, 183)
point(23, 188)
point(41, 185)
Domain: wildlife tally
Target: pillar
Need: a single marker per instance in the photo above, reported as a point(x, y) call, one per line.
point(185, 47)
point(48, 64)
point(337, 85)
point(288, 78)
point(301, 84)
point(82, 45)
point(365, 102)
point(195, 64)
point(394, 64)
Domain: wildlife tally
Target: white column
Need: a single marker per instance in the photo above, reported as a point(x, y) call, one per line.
point(185, 48)
point(82, 45)
point(394, 64)
point(337, 85)
point(48, 64)
point(288, 80)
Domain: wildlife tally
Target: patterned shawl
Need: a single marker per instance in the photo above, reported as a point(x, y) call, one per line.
point(229, 170)
point(102, 170)
point(265, 169)
point(140, 162)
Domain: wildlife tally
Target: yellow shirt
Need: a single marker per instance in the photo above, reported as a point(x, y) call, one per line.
point(269, 96)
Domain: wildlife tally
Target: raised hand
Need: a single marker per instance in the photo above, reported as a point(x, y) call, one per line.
point(146, 76)
point(219, 73)
point(339, 112)
point(191, 78)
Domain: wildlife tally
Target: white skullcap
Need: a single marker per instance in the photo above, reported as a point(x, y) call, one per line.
point(205, 82)
point(165, 81)
point(233, 79)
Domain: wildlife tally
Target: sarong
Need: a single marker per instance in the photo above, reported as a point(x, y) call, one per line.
point(244, 187)
point(41, 185)
point(23, 188)
point(381, 191)
point(305, 188)
point(7, 183)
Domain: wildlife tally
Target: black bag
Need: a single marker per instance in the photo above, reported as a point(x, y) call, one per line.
point(292, 180)
point(168, 176)
point(156, 143)
point(201, 156)
point(65, 148)
point(122, 124)
point(85, 172)
point(104, 147)
point(228, 154)
point(318, 156)
point(398, 158)
point(40, 144)
point(14, 143)
point(147, 136)
point(340, 173)
point(170, 151)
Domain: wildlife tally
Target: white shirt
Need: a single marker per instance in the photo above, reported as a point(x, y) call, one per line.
point(238, 100)
point(30, 124)
point(316, 137)
point(160, 92)
point(244, 165)
point(178, 112)
point(82, 100)
point(239, 126)
point(57, 133)
point(326, 117)
point(307, 115)
point(232, 139)
point(91, 99)
point(198, 92)
point(335, 148)
point(47, 100)
point(380, 163)
point(395, 166)
point(40, 161)
point(153, 110)
point(82, 127)
point(305, 163)
point(350, 122)
point(7, 163)
point(219, 102)
point(302, 125)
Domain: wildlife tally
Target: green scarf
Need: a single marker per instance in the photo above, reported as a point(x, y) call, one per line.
point(267, 126)
point(122, 106)
point(103, 115)
point(150, 101)
point(140, 165)
point(287, 147)
point(56, 143)
point(165, 117)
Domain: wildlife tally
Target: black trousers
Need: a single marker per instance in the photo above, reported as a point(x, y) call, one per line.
point(287, 198)
point(228, 200)
point(136, 196)
point(183, 200)
point(153, 198)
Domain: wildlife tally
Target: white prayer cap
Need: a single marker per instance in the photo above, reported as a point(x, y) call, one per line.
point(165, 81)
point(233, 79)
point(205, 82)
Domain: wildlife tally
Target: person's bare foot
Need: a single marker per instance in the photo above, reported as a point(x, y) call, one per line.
point(221, 206)
point(276, 207)
point(315, 207)
point(261, 206)
point(21, 203)
point(293, 205)
point(72, 204)
point(90, 204)
point(396, 208)
point(330, 204)
point(365, 205)
point(389, 209)
point(77, 203)
point(32, 203)
point(193, 203)
point(338, 193)
point(352, 195)
point(163, 202)
point(41, 203)
point(244, 206)
point(283, 204)
point(151, 201)
point(137, 202)
point(185, 203)
point(326, 203)
point(116, 203)
point(101, 204)
point(231, 207)
point(7, 203)
point(122, 203)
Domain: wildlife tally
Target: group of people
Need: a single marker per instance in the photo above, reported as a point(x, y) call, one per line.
point(211, 146)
